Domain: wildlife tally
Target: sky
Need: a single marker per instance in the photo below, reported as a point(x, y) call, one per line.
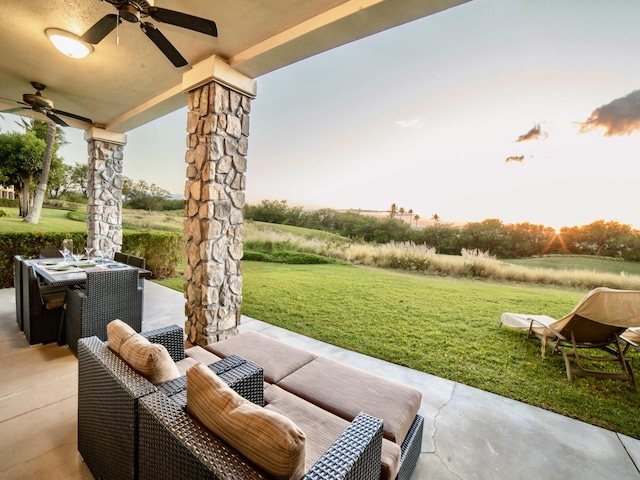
point(520, 110)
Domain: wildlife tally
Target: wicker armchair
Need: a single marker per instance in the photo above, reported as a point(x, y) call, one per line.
point(174, 446)
point(41, 308)
point(17, 283)
point(109, 295)
point(108, 394)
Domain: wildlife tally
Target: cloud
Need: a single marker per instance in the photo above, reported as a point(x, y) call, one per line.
point(534, 134)
point(619, 117)
point(516, 158)
point(415, 123)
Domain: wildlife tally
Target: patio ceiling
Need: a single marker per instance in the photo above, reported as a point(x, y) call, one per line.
point(123, 86)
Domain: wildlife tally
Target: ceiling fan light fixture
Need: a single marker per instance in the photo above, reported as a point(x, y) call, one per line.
point(68, 43)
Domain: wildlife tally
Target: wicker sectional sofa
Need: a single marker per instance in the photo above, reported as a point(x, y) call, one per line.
point(313, 389)
point(130, 428)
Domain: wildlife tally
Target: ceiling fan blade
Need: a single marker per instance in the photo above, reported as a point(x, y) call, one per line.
point(101, 29)
point(73, 115)
point(163, 44)
point(58, 120)
point(12, 110)
point(184, 20)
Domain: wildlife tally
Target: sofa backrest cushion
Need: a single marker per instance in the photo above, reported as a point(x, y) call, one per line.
point(117, 332)
point(266, 438)
point(151, 360)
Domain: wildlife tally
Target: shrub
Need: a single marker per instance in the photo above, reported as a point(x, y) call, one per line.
point(4, 213)
point(162, 251)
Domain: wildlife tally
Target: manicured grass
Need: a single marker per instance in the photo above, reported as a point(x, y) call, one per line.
point(51, 220)
point(443, 326)
point(579, 262)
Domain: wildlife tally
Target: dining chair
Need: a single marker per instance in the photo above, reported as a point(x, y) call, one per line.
point(41, 308)
point(121, 257)
point(109, 295)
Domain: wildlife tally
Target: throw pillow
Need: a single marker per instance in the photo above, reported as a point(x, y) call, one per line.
point(264, 437)
point(117, 333)
point(151, 360)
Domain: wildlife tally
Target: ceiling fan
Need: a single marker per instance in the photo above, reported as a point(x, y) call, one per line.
point(41, 104)
point(134, 11)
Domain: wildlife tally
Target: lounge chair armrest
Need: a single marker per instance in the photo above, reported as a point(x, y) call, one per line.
point(171, 337)
point(355, 455)
point(546, 327)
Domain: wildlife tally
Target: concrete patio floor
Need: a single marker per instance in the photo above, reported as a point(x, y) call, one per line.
point(468, 433)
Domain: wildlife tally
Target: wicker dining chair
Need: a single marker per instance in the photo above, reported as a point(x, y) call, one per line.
point(50, 252)
point(41, 308)
point(17, 283)
point(109, 295)
point(138, 262)
point(121, 257)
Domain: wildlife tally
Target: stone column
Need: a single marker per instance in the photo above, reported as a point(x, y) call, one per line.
point(217, 141)
point(104, 189)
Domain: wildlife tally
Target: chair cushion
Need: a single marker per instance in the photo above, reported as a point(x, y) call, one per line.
point(151, 360)
point(346, 391)
point(117, 333)
point(323, 429)
point(195, 355)
point(266, 438)
point(276, 358)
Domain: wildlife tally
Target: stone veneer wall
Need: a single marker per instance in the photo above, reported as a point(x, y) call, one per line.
point(217, 142)
point(104, 209)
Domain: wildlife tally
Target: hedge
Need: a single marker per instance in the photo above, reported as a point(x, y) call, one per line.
point(162, 250)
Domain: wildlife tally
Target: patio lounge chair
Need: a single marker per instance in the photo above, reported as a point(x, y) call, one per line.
point(597, 322)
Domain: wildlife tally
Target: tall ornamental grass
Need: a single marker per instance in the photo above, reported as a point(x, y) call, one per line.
point(423, 259)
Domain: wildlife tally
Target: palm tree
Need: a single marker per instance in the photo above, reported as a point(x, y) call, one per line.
point(436, 218)
point(401, 212)
point(416, 217)
point(410, 213)
point(393, 210)
point(53, 139)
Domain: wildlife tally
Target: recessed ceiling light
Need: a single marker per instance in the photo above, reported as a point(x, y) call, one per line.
point(68, 43)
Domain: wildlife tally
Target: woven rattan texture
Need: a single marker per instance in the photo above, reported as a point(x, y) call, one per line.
point(39, 325)
point(410, 449)
point(246, 378)
point(172, 337)
point(355, 455)
point(108, 392)
point(17, 283)
point(110, 294)
point(173, 446)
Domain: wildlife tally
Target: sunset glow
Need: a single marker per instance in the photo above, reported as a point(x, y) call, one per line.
point(525, 111)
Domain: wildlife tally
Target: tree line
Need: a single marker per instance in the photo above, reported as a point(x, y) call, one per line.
point(30, 163)
point(602, 238)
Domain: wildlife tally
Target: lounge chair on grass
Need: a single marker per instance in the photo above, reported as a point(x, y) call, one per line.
point(598, 322)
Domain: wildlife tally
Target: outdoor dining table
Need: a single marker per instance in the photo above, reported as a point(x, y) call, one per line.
point(55, 272)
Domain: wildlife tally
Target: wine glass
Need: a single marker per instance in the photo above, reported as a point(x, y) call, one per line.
point(64, 252)
point(88, 251)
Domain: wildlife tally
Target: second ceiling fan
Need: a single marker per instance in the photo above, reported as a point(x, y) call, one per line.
point(135, 11)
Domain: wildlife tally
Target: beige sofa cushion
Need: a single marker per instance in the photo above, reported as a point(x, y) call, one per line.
point(117, 333)
point(151, 360)
point(323, 429)
point(346, 391)
point(276, 358)
point(266, 438)
point(195, 355)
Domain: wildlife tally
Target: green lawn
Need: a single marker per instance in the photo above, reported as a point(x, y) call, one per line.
point(51, 220)
point(579, 262)
point(444, 326)
point(440, 325)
